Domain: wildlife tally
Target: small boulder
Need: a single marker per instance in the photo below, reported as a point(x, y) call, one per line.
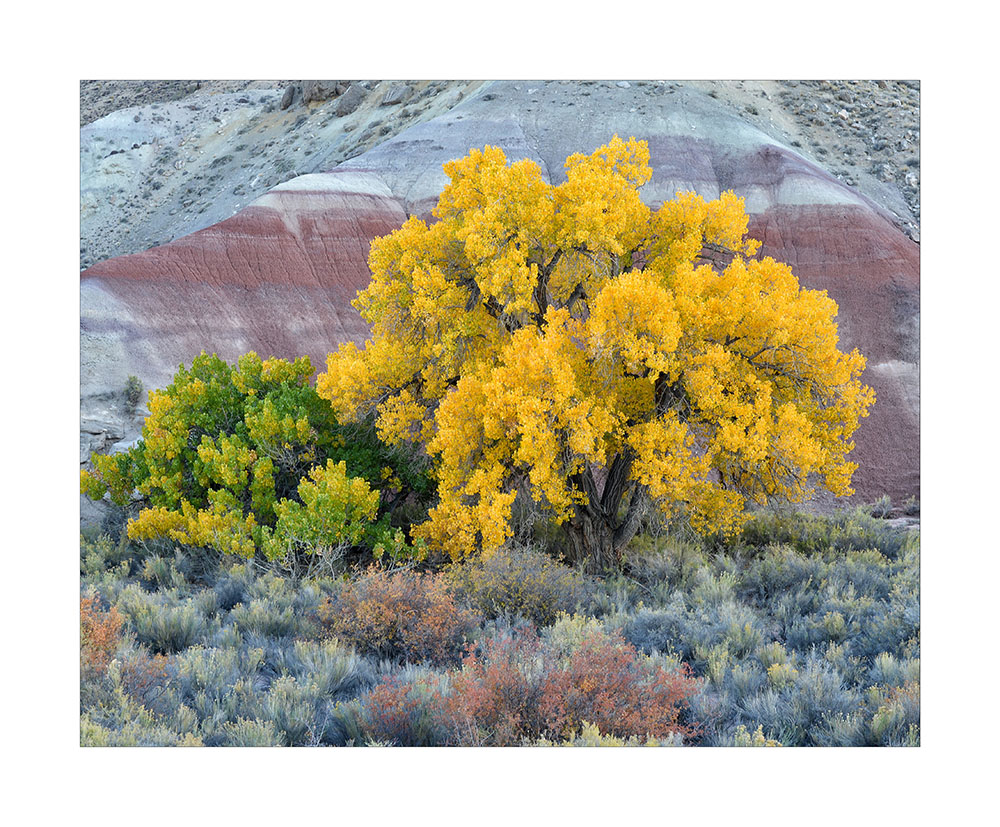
point(350, 100)
point(319, 90)
point(397, 93)
point(286, 99)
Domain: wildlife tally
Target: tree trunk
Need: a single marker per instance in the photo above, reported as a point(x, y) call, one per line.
point(597, 538)
point(597, 544)
point(591, 541)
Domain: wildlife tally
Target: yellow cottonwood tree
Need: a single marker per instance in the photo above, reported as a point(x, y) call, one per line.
point(570, 343)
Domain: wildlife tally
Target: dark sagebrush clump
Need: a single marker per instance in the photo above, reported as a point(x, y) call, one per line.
point(519, 581)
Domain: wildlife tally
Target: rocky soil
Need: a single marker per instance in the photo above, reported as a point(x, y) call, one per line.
point(866, 132)
point(184, 155)
point(102, 97)
point(161, 159)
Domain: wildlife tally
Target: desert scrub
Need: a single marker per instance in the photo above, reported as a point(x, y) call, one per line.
point(794, 642)
point(590, 735)
point(401, 711)
point(608, 683)
point(519, 581)
point(164, 621)
point(401, 615)
point(516, 687)
point(742, 737)
point(664, 560)
point(126, 723)
point(844, 531)
point(691, 628)
point(100, 635)
point(791, 633)
point(225, 697)
point(293, 688)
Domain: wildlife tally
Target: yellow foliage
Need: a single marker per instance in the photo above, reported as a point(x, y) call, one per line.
point(536, 334)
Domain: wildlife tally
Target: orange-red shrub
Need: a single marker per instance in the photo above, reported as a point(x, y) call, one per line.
point(399, 615)
point(494, 698)
point(608, 683)
point(100, 634)
point(144, 677)
point(394, 712)
point(515, 689)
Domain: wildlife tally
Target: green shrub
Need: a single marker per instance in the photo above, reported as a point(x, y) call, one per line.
point(264, 618)
point(664, 560)
point(252, 733)
point(808, 534)
point(162, 572)
point(743, 738)
point(225, 454)
point(336, 671)
point(590, 735)
point(895, 720)
point(132, 726)
point(164, 621)
point(882, 507)
point(133, 394)
point(296, 710)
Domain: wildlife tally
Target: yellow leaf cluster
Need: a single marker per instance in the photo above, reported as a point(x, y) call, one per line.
point(222, 525)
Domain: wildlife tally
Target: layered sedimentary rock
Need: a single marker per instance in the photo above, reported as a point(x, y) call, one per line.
point(278, 277)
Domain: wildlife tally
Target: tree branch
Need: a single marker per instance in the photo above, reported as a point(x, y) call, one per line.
point(624, 532)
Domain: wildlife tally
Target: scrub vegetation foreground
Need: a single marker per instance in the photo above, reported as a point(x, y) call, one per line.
point(536, 508)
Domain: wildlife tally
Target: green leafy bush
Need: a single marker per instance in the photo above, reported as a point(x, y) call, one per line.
point(249, 458)
point(133, 393)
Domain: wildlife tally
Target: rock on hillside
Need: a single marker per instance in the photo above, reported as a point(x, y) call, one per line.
point(277, 276)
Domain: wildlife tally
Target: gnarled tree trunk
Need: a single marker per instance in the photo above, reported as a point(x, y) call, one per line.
point(597, 535)
point(591, 540)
